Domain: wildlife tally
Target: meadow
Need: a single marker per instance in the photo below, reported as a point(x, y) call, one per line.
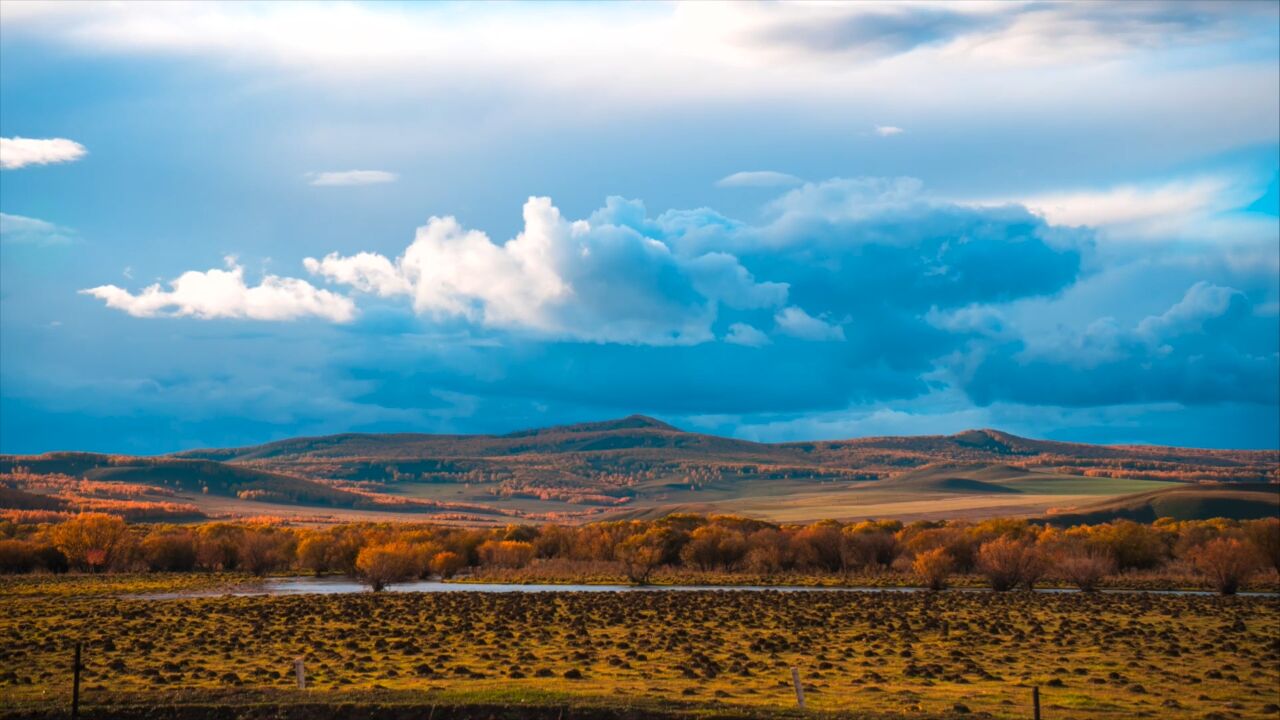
point(691, 653)
point(164, 635)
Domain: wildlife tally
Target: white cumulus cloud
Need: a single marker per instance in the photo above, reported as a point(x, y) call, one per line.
point(351, 177)
point(888, 130)
point(602, 282)
point(744, 334)
point(797, 323)
point(16, 152)
point(365, 271)
point(218, 293)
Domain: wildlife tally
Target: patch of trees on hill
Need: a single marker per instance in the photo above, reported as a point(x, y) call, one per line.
point(49, 498)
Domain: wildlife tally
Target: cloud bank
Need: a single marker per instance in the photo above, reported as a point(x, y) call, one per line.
point(863, 296)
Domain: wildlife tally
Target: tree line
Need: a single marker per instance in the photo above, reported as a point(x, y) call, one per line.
point(1008, 553)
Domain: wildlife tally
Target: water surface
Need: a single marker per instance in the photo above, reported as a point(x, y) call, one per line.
point(305, 585)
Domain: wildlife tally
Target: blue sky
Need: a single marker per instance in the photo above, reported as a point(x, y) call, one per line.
point(227, 224)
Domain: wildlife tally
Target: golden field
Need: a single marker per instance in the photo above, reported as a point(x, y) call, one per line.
point(693, 653)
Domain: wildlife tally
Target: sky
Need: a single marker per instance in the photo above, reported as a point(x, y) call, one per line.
point(225, 224)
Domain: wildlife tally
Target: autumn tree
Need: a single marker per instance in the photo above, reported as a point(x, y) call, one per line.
point(169, 551)
point(1264, 535)
point(382, 565)
point(934, 567)
point(960, 545)
point(520, 533)
point(313, 553)
point(17, 556)
point(91, 541)
point(1085, 568)
point(263, 549)
point(1133, 545)
point(1008, 563)
point(821, 546)
point(553, 541)
point(641, 554)
point(218, 546)
point(1227, 562)
point(768, 551)
point(505, 553)
point(713, 546)
point(869, 545)
point(446, 564)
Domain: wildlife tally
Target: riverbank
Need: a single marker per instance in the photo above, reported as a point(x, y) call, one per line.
point(170, 585)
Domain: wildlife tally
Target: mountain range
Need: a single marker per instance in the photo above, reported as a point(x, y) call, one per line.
point(641, 467)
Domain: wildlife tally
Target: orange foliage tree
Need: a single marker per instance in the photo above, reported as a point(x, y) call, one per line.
point(92, 541)
point(1226, 562)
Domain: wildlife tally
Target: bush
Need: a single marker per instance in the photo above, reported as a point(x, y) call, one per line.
point(714, 546)
point(769, 552)
point(1227, 562)
point(821, 546)
point(447, 564)
point(505, 553)
point(1008, 563)
point(263, 550)
point(92, 541)
point(1265, 537)
point(934, 567)
point(218, 546)
point(960, 545)
point(18, 556)
point(24, 556)
point(1084, 568)
point(641, 554)
point(52, 559)
point(868, 546)
point(313, 553)
point(382, 565)
point(171, 552)
point(1133, 545)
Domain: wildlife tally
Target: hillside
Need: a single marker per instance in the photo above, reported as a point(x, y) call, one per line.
point(641, 466)
point(1245, 501)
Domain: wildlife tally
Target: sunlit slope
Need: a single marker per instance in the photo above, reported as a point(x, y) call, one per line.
point(1182, 502)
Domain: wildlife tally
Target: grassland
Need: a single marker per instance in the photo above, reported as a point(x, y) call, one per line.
point(808, 499)
point(690, 653)
point(1031, 494)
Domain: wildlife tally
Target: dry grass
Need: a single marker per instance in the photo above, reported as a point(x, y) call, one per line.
point(1095, 656)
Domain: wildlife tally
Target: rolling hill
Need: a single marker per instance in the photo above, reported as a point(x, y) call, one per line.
point(639, 466)
point(1245, 501)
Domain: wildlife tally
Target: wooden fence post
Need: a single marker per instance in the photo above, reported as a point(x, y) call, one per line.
point(75, 685)
point(301, 673)
point(1035, 702)
point(795, 680)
